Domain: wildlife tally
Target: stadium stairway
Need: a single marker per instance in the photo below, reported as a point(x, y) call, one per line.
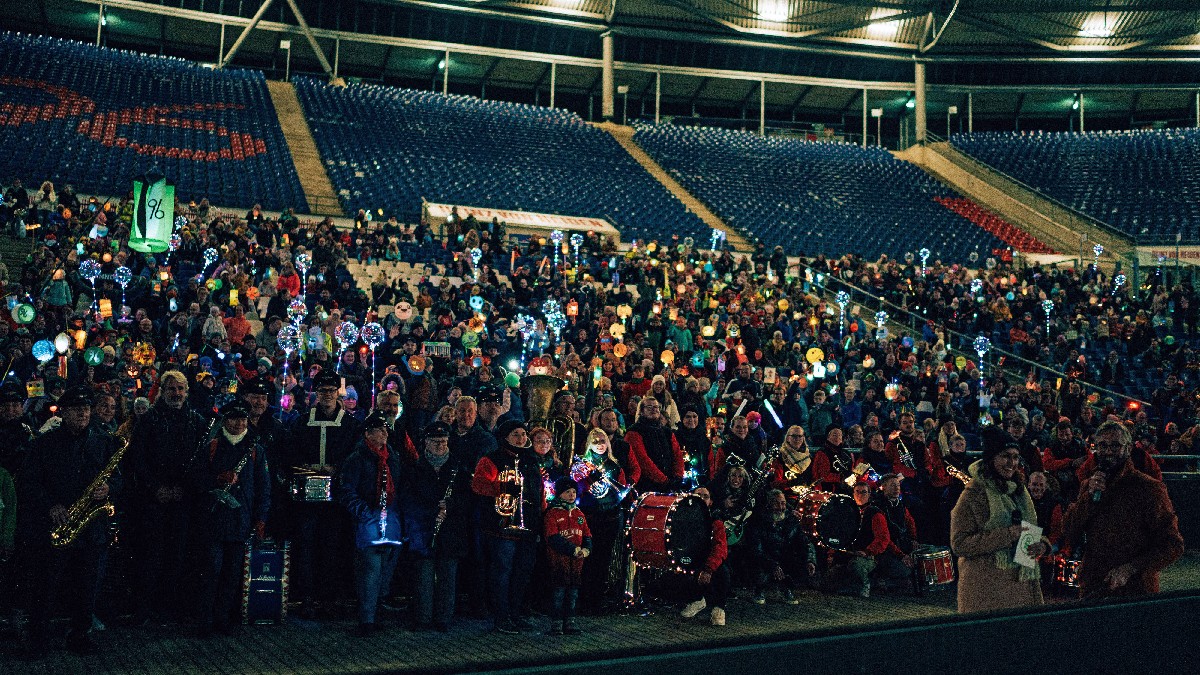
point(318, 190)
point(1055, 226)
point(624, 136)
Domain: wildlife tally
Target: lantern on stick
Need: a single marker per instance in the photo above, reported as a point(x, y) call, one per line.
point(346, 335)
point(372, 335)
point(90, 269)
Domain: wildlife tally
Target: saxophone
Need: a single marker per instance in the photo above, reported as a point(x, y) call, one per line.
point(84, 511)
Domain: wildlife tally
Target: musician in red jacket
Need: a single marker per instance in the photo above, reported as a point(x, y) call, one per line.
point(872, 540)
point(714, 577)
point(657, 458)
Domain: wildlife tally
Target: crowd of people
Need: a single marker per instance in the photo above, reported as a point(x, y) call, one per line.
point(482, 447)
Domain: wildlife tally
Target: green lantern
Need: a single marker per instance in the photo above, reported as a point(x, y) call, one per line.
point(94, 356)
point(153, 213)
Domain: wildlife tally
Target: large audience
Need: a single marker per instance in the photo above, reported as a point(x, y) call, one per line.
point(683, 367)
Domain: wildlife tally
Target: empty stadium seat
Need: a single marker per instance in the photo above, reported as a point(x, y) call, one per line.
point(829, 198)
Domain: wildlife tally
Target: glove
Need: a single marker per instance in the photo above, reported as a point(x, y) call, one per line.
point(260, 529)
point(50, 425)
point(227, 478)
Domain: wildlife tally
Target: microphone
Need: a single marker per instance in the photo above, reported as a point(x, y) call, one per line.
point(1016, 520)
point(1097, 494)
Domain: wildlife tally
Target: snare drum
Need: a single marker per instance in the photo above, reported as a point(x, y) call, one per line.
point(1066, 574)
point(670, 531)
point(832, 519)
point(310, 486)
point(934, 566)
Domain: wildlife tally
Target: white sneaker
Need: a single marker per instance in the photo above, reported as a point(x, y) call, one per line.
point(718, 616)
point(693, 608)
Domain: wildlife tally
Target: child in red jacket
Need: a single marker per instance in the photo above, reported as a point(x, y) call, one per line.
point(568, 542)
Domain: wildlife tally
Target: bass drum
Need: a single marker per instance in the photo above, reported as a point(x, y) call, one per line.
point(832, 519)
point(670, 531)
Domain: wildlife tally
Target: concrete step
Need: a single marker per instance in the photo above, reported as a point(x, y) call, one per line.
point(318, 189)
point(624, 136)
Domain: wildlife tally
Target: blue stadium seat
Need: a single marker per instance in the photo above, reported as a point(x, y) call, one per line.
point(811, 198)
point(1144, 183)
point(96, 118)
point(390, 148)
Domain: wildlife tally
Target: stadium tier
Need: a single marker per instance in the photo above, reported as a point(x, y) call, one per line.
point(96, 118)
point(1144, 183)
point(829, 198)
point(390, 148)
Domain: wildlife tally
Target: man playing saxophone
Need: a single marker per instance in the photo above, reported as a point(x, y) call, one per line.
point(68, 484)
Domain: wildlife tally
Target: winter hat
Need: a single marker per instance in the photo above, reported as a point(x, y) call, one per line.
point(507, 428)
point(563, 484)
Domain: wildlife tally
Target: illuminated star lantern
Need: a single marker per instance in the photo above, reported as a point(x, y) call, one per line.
point(1048, 308)
point(982, 347)
point(210, 257)
point(842, 299)
point(296, 311)
point(288, 339)
point(476, 256)
point(1098, 250)
point(556, 236)
point(881, 331)
point(717, 236)
point(174, 242)
point(372, 335)
point(123, 275)
point(90, 269)
point(1118, 282)
point(924, 253)
point(576, 242)
point(976, 286)
point(303, 261)
point(555, 318)
point(180, 221)
point(346, 335)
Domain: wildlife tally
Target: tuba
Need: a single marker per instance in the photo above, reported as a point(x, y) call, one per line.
point(84, 510)
point(538, 391)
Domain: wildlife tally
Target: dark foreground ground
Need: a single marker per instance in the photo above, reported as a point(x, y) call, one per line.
point(329, 647)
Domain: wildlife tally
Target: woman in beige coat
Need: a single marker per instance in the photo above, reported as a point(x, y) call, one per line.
point(982, 534)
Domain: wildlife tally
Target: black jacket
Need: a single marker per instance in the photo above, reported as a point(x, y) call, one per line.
point(164, 444)
point(60, 467)
point(424, 487)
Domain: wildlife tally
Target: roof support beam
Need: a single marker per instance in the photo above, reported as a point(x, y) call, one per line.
point(1133, 106)
point(800, 99)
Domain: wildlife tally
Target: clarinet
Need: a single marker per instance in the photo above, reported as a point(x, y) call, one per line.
point(437, 527)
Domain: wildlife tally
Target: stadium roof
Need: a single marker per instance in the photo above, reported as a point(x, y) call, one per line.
point(1137, 60)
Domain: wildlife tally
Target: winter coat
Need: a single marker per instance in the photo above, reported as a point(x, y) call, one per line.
point(566, 530)
point(59, 467)
point(423, 488)
point(356, 488)
point(227, 512)
point(982, 586)
point(1134, 522)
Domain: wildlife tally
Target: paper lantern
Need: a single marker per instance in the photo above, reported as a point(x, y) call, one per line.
point(62, 342)
point(667, 357)
point(153, 213)
point(814, 355)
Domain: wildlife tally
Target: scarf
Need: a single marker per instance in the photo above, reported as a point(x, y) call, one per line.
point(234, 440)
point(1000, 508)
point(383, 477)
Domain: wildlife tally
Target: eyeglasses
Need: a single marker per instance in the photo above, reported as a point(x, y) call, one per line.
point(1109, 446)
point(327, 390)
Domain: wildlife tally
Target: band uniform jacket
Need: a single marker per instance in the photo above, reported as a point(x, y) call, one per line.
point(1134, 522)
point(356, 488)
point(424, 487)
point(219, 519)
point(60, 467)
point(163, 446)
point(485, 483)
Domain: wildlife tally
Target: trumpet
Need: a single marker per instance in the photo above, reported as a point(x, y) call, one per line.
point(508, 505)
point(581, 468)
point(84, 510)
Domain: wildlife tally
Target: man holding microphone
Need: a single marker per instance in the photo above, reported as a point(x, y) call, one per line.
point(1124, 520)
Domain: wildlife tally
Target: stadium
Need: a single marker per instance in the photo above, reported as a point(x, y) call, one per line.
point(963, 229)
